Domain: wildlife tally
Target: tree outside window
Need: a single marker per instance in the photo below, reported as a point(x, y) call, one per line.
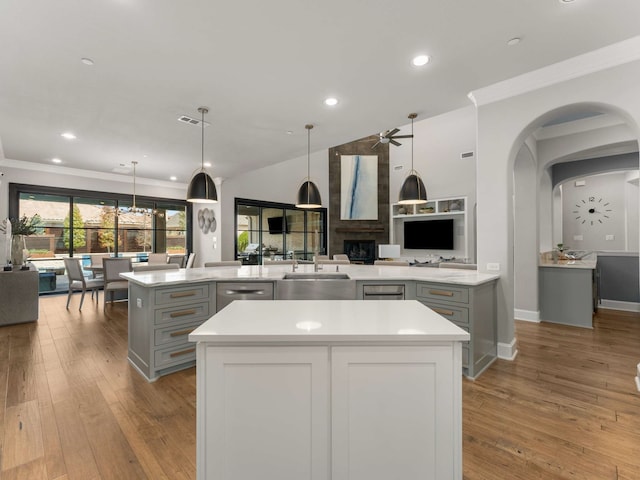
point(79, 235)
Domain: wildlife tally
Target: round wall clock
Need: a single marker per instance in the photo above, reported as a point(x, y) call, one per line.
point(592, 211)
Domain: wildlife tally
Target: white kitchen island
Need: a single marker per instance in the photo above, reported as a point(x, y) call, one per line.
point(328, 389)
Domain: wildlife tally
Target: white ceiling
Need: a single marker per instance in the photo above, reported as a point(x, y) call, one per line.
point(262, 68)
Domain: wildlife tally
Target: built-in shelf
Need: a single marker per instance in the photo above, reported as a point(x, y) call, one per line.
point(441, 206)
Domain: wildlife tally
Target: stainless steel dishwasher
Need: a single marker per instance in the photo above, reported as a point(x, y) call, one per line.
point(227, 292)
point(383, 292)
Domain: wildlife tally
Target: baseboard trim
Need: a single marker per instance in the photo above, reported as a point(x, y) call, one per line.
point(507, 351)
point(527, 315)
point(618, 305)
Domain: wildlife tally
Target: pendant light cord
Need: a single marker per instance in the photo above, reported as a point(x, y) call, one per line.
point(308, 127)
point(203, 110)
point(412, 116)
point(134, 163)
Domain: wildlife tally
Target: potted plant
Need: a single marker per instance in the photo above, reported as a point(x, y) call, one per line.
point(20, 228)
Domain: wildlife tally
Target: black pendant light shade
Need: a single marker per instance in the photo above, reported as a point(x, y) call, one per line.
point(308, 196)
point(413, 191)
point(308, 193)
point(201, 187)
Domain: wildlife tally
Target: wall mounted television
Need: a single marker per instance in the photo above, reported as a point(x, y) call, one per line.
point(278, 225)
point(429, 235)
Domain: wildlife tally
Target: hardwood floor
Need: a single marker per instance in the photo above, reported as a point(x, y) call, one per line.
point(71, 407)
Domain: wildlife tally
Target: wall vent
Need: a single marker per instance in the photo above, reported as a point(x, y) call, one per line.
point(191, 121)
point(398, 167)
point(464, 155)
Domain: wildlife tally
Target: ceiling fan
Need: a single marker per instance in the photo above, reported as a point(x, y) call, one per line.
point(389, 136)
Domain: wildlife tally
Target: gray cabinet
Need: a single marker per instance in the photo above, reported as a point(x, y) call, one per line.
point(18, 296)
point(472, 308)
point(160, 320)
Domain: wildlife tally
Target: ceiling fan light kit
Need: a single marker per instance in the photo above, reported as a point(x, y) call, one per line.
point(308, 193)
point(413, 191)
point(202, 189)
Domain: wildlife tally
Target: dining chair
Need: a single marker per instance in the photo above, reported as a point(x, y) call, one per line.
point(77, 281)
point(177, 259)
point(460, 266)
point(157, 258)
point(112, 268)
point(151, 267)
point(190, 260)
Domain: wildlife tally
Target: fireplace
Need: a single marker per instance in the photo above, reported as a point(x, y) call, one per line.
point(360, 251)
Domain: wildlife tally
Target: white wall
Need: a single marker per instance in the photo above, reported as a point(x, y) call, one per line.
point(276, 183)
point(438, 143)
point(632, 201)
point(503, 125)
point(36, 174)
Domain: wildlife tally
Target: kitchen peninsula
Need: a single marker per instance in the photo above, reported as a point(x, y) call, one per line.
point(568, 289)
point(166, 306)
point(328, 389)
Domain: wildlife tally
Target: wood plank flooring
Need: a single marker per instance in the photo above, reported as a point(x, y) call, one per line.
point(71, 407)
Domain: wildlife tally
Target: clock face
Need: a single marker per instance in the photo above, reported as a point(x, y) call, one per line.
point(592, 211)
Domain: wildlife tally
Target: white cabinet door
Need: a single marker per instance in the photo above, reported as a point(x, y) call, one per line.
point(396, 413)
point(264, 413)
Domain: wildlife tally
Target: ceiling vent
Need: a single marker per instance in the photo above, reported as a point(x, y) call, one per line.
point(192, 121)
point(464, 155)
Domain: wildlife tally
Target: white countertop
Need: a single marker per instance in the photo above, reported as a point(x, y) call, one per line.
point(577, 264)
point(334, 321)
point(275, 272)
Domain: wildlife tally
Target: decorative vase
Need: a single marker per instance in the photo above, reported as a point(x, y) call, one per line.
point(17, 249)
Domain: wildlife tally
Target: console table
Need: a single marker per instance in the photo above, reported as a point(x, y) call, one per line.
point(18, 296)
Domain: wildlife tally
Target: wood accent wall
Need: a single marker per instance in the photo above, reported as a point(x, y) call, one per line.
point(341, 230)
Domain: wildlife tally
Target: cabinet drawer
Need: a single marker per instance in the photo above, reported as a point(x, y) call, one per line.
point(453, 313)
point(183, 353)
point(182, 313)
point(187, 293)
point(442, 293)
point(174, 333)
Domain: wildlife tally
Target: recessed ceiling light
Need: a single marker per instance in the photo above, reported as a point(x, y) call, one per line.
point(289, 132)
point(87, 61)
point(68, 135)
point(514, 41)
point(566, 1)
point(56, 160)
point(173, 178)
point(331, 101)
point(420, 60)
point(207, 164)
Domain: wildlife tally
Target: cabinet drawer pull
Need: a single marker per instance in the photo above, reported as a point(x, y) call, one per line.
point(244, 292)
point(442, 293)
point(182, 313)
point(182, 352)
point(182, 294)
point(182, 332)
point(442, 311)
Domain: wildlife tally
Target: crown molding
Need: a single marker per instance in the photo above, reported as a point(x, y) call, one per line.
point(590, 62)
point(78, 172)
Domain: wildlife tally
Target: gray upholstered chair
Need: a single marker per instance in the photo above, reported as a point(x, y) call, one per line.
point(113, 267)
point(224, 263)
point(77, 281)
point(179, 260)
point(157, 258)
point(391, 263)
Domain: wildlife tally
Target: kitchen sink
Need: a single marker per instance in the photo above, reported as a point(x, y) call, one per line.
point(316, 286)
point(315, 276)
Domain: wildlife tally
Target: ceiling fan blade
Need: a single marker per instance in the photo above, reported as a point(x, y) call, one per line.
point(397, 144)
point(403, 136)
point(392, 132)
point(375, 144)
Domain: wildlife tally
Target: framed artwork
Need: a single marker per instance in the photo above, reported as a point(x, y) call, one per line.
point(206, 220)
point(358, 187)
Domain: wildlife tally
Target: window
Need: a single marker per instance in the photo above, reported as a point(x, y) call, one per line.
point(274, 231)
point(85, 224)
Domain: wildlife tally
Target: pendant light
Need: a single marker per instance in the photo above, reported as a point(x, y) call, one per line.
point(133, 208)
point(201, 188)
point(308, 193)
point(413, 191)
